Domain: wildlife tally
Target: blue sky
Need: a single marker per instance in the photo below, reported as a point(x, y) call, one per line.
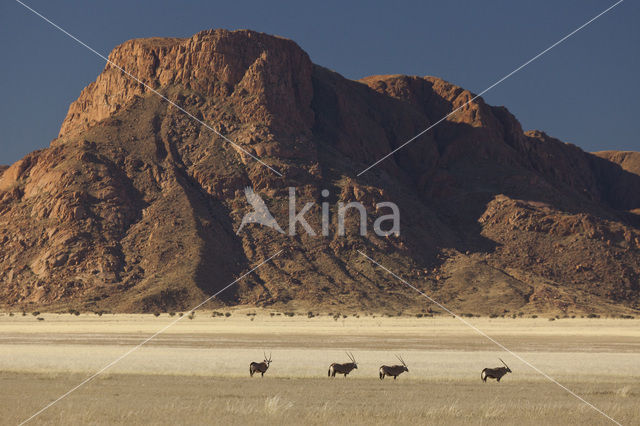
point(585, 91)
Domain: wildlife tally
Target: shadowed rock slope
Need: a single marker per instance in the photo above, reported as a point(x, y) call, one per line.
point(135, 206)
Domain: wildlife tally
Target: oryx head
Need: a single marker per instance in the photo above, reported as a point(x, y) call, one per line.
point(353, 359)
point(404, 364)
point(505, 365)
point(267, 360)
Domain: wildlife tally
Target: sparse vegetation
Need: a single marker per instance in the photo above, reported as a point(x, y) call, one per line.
point(227, 314)
point(35, 313)
point(244, 400)
point(151, 399)
point(172, 314)
point(191, 315)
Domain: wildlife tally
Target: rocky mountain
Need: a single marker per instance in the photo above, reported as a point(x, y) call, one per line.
point(135, 206)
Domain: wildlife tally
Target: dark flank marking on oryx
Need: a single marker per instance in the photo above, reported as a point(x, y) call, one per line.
point(495, 373)
point(394, 370)
point(343, 368)
point(260, 367)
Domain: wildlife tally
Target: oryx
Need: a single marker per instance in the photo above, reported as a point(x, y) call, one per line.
point(343, 368)
point(260, 367)
point(394, 370)
point(495, 373)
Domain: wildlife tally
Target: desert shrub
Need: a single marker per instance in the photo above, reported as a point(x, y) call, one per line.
point(35, 313)
point(466, 314)
point(40, 319)
point(10, 314)
point(272, 314)
point(192, 315)
point(156, 314)
point(552, 319)
point(419, 315)
point(534, 316)
point(289, 314)
point(180, 314)
point(310, 314)
point(623, 316)
point(251, 314)
point(593, 316)
point(493, 315)
point(172, 314)
point(24, 314)
point(227, 314)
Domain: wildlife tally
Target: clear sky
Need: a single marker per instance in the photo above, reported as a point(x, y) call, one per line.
point(584, 91)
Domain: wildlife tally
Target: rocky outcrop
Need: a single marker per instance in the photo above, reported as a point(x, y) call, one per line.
point(135, 206)
point(628, 160)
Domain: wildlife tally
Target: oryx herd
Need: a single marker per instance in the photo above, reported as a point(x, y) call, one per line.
point(384, 370)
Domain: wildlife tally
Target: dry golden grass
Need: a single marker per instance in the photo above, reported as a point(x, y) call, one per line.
point(132, 399)
point(198, 371)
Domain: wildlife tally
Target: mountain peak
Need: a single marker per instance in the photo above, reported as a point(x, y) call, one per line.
point(216, 64)
point(137, 207)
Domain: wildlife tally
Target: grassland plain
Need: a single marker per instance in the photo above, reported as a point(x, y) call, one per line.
point(197, 372)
